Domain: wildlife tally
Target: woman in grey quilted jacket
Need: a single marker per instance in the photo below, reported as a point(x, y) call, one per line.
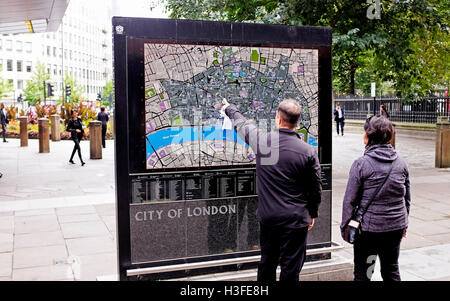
point(385, 222)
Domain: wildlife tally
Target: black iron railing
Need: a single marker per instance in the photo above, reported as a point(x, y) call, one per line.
point(426, 110)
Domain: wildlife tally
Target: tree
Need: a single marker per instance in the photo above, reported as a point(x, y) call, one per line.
point(108, 91)
point(34, 91)
point(396, 40)
point(76, 90)
point(5, 87)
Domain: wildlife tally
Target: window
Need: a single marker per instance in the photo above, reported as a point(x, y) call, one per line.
point(1, 43)
point(1, 65)
point(19, 46)
point(8, 45)
point(20, 84)
point(11, 82)
point(48, 50)
point(54, 70)
point(28, 47)
point(65, 53)
point(54, 51)
point(28, 66)
point(9, 65)
point(19, 66)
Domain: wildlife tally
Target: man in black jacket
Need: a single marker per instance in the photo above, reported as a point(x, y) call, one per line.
point(289, 189)
point(104, 118)
point(339, 117)
point(3, 120)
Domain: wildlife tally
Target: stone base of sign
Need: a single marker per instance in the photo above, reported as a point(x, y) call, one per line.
point(337, 268)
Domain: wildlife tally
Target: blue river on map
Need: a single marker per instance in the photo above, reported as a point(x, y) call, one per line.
point(177, 135)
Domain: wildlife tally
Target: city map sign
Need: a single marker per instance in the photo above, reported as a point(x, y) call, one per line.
point(186, 183)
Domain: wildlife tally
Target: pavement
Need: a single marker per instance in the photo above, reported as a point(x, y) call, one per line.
point(57, 220)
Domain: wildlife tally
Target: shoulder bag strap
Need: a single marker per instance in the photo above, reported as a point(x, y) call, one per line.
point(376, 191)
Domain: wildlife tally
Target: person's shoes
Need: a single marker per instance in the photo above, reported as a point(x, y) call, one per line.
point(1, 175)
point(71, 161)
point(82, 163)
point(4, 141)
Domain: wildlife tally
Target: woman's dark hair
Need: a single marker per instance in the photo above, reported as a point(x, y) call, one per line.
point(379, 130)
point(73, 111)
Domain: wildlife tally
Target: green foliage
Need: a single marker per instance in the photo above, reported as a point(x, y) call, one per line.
point(76, 94)
point(5, 87)
point(34, 92)
point(408, 47)
point(108, 90)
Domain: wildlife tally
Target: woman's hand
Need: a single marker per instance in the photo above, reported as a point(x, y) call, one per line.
point(311, 225)
point(404, 234)
point(78, 131)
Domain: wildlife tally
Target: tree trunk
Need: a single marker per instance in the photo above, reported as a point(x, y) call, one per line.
point(351, 88)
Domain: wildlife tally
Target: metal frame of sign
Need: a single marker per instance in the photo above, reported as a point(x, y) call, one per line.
point(129, 35)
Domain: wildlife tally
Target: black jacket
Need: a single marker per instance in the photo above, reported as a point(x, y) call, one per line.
point(104, 118)
point(3, 117)
point(336, 115)
point(390, 209)
point(288, 174)
point(74, 125)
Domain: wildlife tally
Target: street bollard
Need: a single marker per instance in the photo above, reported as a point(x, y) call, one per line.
point(44, 135)
point(56, 135)
point(442, 143)
point(95, 139)
point(111, 124)
point(23, 131)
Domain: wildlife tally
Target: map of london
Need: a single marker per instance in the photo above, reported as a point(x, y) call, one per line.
point(183, 83)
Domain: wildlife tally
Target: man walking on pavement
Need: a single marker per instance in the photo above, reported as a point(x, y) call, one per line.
point(339, 117)
point(289, 189)
point(104, 118)
point(4, 121)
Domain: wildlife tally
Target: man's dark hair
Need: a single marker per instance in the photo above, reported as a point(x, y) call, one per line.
point(102, 108)
point(289, 111)
point(379, 130)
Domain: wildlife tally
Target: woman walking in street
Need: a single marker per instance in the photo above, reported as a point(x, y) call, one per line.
point(75, 127)
point(378, 189)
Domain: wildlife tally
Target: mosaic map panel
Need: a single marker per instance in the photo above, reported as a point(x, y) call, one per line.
point(183, 83)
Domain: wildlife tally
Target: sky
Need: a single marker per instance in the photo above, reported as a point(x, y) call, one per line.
point(138, 8)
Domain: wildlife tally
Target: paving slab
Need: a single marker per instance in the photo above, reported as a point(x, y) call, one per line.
point(76, 210)
point(93, 266)
point(39, 256)
point(5, 264)
point(90, 245)
point(7, 224)
point(45, 273)
point(84, 229)
point(63, 219)
point(6, 242)
point(40, 239)
point(34, 224)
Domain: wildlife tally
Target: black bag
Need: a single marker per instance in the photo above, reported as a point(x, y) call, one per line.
point(353, 228)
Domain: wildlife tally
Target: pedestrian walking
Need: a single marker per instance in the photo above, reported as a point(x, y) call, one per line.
point(384, 111)
point(339, 117)
point(3, 120)
point(378, 193)
point(75, 127)
point(289, 189)
point(104, 118)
